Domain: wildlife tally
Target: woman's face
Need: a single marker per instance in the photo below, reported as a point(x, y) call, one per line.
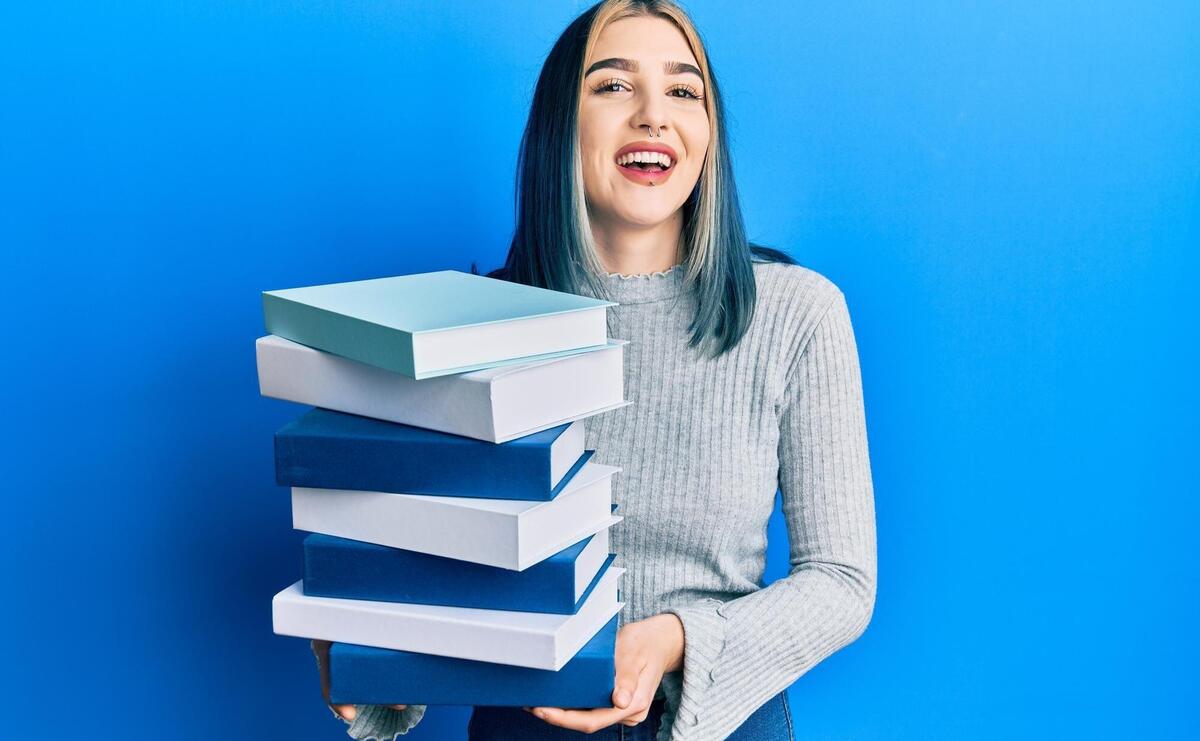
point(642, 72)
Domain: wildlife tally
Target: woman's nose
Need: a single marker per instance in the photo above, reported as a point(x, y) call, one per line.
point(651, 112)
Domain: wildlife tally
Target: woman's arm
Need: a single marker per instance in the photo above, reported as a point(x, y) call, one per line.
point(740, 653)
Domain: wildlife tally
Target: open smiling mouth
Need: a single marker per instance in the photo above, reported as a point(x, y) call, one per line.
point(646, 170)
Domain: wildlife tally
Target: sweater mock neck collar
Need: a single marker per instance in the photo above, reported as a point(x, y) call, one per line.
point(645, 287)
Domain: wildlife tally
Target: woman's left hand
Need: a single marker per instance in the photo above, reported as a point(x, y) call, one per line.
point(646, 650)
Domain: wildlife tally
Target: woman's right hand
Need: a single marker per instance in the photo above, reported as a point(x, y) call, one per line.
point(345, 712)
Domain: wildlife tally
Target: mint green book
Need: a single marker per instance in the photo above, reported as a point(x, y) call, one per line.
point(434, 324)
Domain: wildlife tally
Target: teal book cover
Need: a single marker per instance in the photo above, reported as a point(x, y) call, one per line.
point(432, 324)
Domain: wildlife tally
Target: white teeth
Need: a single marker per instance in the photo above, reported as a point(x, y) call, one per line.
point(647, 157)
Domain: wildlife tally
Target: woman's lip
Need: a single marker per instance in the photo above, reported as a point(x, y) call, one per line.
point(655, 178)
point(644, 146)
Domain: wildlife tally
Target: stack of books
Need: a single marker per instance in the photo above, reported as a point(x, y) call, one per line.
point(459, 548)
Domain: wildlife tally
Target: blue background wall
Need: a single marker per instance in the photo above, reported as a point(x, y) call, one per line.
point(1008, 192)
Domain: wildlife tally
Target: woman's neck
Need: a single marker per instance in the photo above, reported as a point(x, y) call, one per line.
point(638, 250)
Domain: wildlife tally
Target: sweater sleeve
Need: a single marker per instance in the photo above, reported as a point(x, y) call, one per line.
point(381, 722)
point(740, 653)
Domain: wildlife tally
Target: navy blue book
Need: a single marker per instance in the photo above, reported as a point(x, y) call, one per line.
point(349, 569)
point(324, 449)
point(379, 676)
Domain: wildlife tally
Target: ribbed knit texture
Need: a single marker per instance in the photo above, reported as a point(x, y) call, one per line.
point(703, 449)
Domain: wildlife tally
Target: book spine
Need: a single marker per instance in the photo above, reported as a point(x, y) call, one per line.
point(374, 464)
point(428, 525)
point(336, 567)
point(455, 404)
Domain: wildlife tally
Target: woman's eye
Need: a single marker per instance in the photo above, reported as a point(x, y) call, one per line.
point(607, 87)
point(687, 93)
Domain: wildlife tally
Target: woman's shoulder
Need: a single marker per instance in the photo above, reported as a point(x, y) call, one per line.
point(792, 302)
point(785, 285)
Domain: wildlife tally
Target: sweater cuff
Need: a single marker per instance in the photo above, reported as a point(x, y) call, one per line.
point(381, 723)
point(704, 629)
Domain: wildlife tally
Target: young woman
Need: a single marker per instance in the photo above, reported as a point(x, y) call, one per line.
point(744, 374)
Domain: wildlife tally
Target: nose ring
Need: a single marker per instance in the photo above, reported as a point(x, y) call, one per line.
point(651, 133)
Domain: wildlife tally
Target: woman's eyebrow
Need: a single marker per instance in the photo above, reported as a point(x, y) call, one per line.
point(631, 65)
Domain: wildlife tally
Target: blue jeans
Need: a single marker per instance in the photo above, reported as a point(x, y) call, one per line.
point(771, 722)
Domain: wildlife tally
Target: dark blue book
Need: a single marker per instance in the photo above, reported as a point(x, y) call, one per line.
point(378, 676)
point(349, 569)
point(331, 450)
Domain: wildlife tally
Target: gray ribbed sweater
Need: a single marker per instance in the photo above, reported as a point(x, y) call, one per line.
point(703, 448)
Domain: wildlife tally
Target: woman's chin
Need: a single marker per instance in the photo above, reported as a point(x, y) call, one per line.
point(646, 210)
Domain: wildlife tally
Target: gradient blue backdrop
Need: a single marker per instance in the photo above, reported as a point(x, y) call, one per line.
point(1008, 193)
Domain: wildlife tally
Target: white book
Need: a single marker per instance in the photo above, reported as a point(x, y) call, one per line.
point(530, 639)
point(496, 404)
point(508, 533)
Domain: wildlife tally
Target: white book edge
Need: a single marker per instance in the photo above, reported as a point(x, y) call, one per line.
point(611, 344)
point(455, 350)
point(530, 639)
point(589, 562)
point(510, 534)
point(507, 435)
point(463, 404)
point(565, 451)
point(536, 557)
point(398, 521)
point(543, 393)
